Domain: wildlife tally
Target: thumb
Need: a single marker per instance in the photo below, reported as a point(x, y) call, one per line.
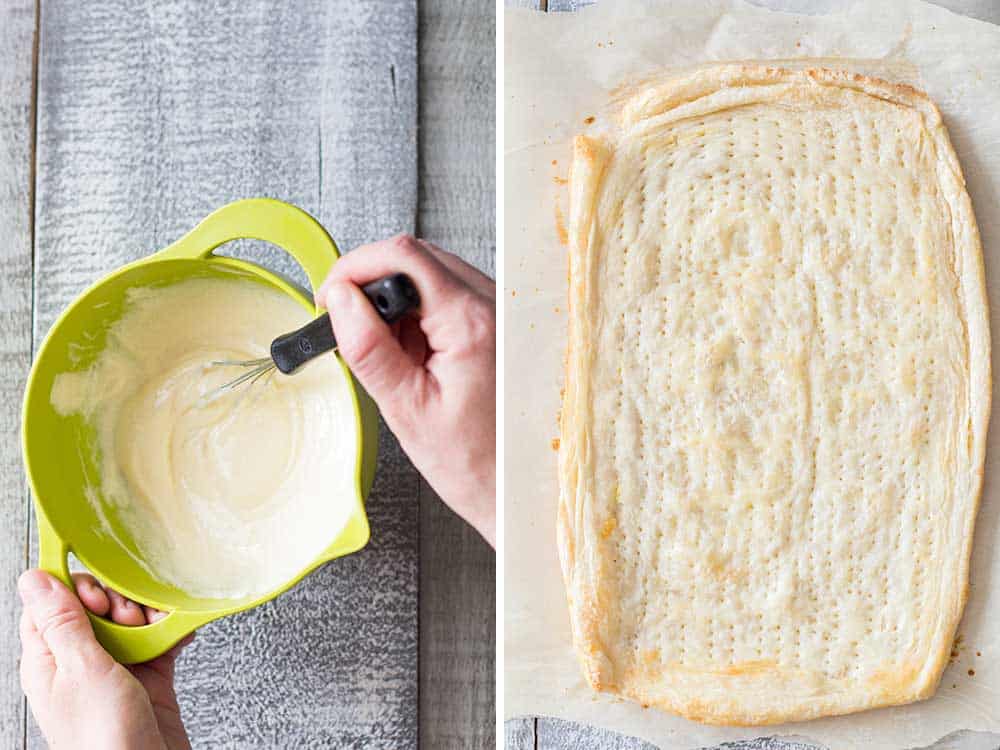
point(368, 346)
point(59, 620)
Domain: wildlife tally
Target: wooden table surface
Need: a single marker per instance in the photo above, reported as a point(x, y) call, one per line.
point(545, 733)
point(122, 124)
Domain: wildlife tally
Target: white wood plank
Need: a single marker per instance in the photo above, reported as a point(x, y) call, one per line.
point(369, 191)
point(556, 734)
point(545, 733)
point(568, 6)
point(151, 115)
point(457, 211)
point(17, 41)
point(984, 10)
point(530, 4)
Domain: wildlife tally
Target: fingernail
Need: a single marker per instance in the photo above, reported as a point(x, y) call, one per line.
point(319, 296)
point(32, 585)
point(338, 297)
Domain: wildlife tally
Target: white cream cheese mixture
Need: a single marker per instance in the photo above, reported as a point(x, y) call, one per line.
point(224, 496)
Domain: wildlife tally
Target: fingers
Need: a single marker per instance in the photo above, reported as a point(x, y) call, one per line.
point(91, 594)
point(31, 642)
point(59, 620)
point(395, 366)
point(109, 603)
point(403, 254)
point(37, 665)
point(125, 611)
point(413, 341)
point(163, 665)
point(367, 344)
point(182, 644)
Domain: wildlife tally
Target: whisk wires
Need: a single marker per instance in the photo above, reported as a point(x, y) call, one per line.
point(255, 370)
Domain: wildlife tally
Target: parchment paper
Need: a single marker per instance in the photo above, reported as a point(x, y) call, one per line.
point(559, 70)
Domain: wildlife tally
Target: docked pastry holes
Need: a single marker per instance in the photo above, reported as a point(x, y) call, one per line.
point(776, 399)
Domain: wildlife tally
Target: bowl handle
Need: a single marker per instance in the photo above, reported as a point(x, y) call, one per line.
point(267, 219)
point(128, 645)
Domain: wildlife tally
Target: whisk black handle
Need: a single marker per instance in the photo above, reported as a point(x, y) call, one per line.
point(392, 296)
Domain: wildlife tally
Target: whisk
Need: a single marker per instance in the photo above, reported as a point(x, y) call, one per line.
point(392, 296)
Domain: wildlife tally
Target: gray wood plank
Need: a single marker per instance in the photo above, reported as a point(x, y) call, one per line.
point(519, 734)
point(151, 115)
point(458, 128)
point(457, 631)
point(457, 211)
point(17, 44)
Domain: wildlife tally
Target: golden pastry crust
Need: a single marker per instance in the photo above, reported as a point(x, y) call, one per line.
point(777, 393)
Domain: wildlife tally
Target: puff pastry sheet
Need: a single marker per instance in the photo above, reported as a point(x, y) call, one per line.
point(778, 385)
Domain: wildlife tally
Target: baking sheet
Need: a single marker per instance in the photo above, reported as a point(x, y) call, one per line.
point(560, 70)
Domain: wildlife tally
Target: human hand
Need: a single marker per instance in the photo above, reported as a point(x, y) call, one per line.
point(80, 696)
point(433, 375)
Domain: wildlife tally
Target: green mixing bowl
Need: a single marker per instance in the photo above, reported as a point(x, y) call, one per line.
point(60, 451)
